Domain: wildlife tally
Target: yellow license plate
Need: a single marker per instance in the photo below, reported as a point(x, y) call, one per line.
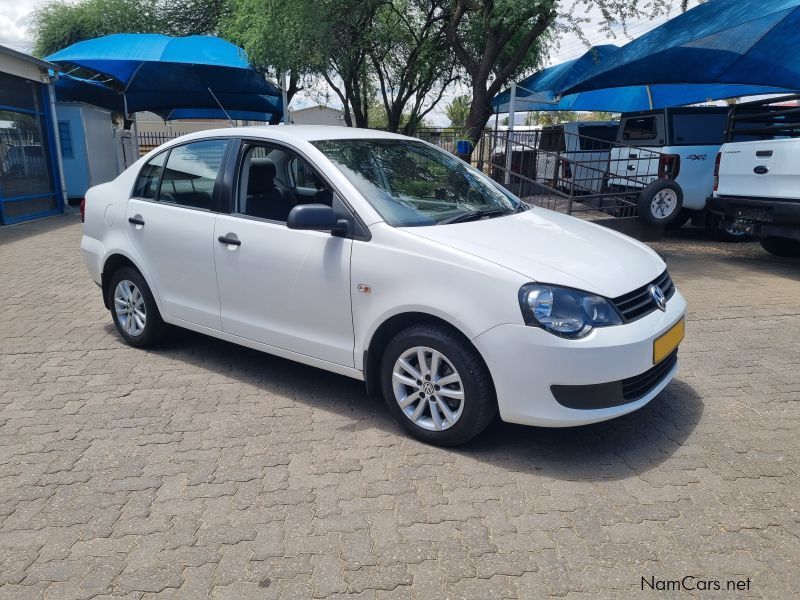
point(664, 345)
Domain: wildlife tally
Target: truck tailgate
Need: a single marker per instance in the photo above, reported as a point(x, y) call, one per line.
point(760, 169)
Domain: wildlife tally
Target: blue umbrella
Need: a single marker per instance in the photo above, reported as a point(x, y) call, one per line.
point(541, 90)
point(747, 42)
point(158, 73)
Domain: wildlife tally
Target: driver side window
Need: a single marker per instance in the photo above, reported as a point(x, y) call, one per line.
point(273, 180)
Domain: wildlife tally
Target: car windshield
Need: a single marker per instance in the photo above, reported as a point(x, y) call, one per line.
point(413, 184)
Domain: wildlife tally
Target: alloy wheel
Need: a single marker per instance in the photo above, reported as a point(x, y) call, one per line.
point(428, 388)
point(130, 308)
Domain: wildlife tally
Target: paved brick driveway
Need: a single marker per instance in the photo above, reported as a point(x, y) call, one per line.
point(202, 468)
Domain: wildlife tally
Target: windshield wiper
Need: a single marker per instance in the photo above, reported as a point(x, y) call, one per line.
point(475, 215)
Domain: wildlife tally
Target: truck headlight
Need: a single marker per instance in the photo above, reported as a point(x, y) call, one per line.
point(565, 312)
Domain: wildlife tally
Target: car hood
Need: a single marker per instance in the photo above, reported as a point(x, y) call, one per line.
point(548, 247)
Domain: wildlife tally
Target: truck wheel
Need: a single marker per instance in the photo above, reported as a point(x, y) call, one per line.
point(781, 246)
point(723, 230)
point(660, 202)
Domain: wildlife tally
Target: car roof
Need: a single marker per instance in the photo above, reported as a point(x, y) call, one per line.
point(308, 133)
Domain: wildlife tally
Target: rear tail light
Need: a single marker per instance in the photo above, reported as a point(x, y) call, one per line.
point(669, 165)
point(83, 210)
point(716, 171)
point(566, 170)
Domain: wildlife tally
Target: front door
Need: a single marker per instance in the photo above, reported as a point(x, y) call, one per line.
point(286, 288)
point(171, 224)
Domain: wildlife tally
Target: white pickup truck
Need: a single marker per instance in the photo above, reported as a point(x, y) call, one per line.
point(757, 177)
point(669, 155)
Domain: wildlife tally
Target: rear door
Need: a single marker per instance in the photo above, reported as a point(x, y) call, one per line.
point(170, 224)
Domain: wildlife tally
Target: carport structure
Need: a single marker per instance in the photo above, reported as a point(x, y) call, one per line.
point(185, 77)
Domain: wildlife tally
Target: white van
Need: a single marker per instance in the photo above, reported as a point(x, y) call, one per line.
point(584, 147)
point(670, 155)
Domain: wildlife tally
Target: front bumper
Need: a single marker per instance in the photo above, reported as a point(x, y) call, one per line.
point(767, 216)
point(526, 362)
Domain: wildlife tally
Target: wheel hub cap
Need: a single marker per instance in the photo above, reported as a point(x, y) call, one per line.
point(664, 204)
point(428, 388)
point(130, 308)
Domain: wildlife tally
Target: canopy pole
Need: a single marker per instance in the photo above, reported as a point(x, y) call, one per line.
point(136, 146)
point(511, 118)
point(285, 95)
point(649, 96)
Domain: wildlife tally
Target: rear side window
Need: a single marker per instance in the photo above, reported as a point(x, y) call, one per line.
point(553, 139)
point(191, 174)
point(597, 137)
point(699, 129)
point(147, 183)
point(640, 128)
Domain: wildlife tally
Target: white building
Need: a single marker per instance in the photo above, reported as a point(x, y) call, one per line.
point(318, 115)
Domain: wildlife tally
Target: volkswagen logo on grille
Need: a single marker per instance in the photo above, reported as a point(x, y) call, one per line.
point(658, 297)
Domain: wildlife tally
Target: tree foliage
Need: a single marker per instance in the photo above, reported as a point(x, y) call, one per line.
point(61, 23)
point(411, 61)
point(458, 110)
point(58, 24)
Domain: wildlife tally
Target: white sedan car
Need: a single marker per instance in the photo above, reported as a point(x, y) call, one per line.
point(383, 258)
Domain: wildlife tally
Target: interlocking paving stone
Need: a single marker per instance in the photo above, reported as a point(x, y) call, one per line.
point(202, 469)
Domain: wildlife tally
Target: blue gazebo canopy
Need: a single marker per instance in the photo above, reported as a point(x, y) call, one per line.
point(541, 91)
point(186, 76)
point(745, 42)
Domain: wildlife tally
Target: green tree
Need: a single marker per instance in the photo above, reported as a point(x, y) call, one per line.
point(411, 61)
point(327, 38)
point(458, 109)
point(58, 24)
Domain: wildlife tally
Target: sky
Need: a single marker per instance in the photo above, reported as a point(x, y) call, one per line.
point(15, 20)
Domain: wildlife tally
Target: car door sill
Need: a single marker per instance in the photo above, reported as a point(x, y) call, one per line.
point(275, 351)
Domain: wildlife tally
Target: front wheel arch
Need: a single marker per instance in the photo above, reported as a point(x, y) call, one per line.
point(390, 328)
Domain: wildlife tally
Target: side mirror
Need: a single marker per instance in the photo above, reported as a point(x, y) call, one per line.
point(317, 217)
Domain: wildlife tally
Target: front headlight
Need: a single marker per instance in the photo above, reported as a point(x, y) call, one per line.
point(565, 312)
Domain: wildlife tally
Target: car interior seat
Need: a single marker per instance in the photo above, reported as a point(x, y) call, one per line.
point(264, 198)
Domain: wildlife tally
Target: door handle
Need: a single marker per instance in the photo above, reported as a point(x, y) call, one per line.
point(229, 239)
point(136, 220)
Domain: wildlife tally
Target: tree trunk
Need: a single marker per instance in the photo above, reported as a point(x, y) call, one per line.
point(479, 113)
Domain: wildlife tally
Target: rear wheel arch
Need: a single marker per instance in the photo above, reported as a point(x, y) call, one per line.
point(388, 330)
point(113, 263)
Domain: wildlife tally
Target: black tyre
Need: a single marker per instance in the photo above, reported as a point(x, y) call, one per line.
point(660, 202)
point(134, 309)
point(723, 231)
point(781, 246)
point(436, 385)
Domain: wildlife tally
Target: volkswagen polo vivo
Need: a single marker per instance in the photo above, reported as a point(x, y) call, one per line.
point(385, 259)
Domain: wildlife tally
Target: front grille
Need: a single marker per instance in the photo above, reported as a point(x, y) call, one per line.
point(638, 387)
point(639, 303)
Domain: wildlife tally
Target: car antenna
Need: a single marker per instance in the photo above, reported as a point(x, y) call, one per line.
point(225, 112)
